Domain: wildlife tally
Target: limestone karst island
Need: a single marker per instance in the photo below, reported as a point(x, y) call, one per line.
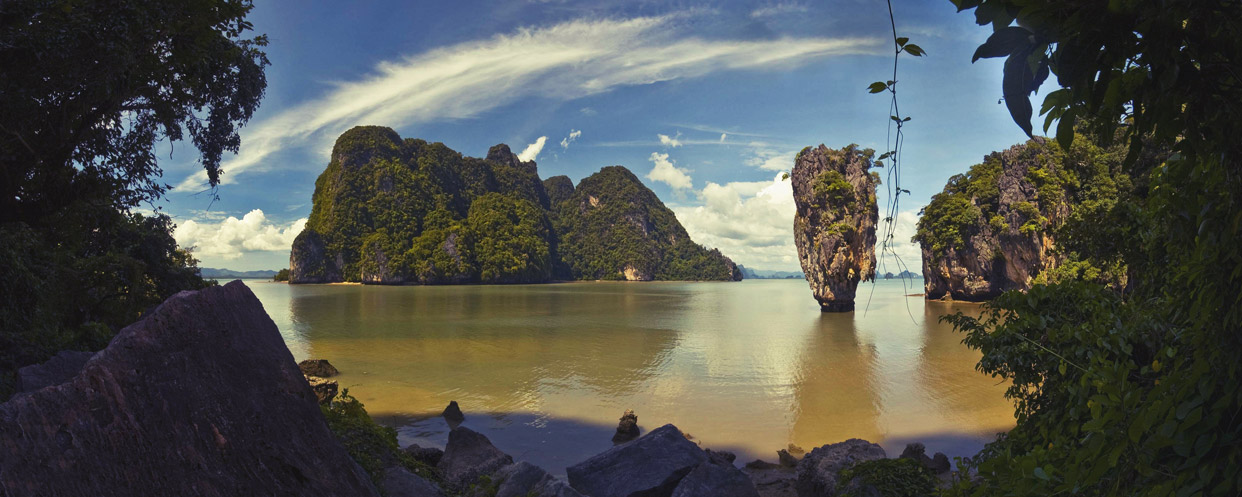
point(615, 249)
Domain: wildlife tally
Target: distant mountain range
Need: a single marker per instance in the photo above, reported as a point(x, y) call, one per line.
point(903, 275)
point(211, 272)
point(764, 274)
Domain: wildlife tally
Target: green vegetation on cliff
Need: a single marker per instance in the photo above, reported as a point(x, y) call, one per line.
point(1065, 193)
point(613, 227)
point(395, 211)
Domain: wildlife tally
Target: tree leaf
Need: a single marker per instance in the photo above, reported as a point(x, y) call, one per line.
point(1004, 42)
point(877, 87)
point(1014, 85)
point(914, 50)
point(1065, 129)
point(902, 40)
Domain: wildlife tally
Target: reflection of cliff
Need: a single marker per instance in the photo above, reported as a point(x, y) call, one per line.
point(494, 346)
point(835, 395)
point(964, 397)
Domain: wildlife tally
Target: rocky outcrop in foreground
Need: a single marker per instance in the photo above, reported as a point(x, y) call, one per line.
point(200, 397)
point(834, 225)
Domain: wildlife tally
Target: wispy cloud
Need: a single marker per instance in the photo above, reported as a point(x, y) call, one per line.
point(777, 10)
point(561, 62)
point(532, 151)
point(665, 172)
point(670, 141)
point(765, 156)
point(573, 135)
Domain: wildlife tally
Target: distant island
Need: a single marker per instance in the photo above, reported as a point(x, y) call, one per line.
point(397, 211)
point(905, 274)
point(216, 273)
point(765, 274)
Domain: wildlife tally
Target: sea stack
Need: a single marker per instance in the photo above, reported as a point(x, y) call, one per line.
point(834, 226)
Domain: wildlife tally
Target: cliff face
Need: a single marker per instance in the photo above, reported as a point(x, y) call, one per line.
point(994, 228)
point(614, 227)
point(834, 226)
point(394, 211)
point(200, 397)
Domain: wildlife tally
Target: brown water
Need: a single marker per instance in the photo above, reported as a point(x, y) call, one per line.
point(546, 370)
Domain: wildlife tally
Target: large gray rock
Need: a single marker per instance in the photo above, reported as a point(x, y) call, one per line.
point(527, 480)
point(400, 482)
point(710, 479)
point(469, 455)
point(651, 466)
point(426, 455)
point(834, 224)
point(817, 472)
point(201, 397)
point(60, 368)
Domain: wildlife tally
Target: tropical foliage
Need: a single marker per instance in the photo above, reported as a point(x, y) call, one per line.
point(1133, 392)
point(77, 156)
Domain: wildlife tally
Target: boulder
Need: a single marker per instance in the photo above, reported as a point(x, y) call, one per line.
point(787, 460)
point(453, 414)
point(774, 481)
point(650, 466)
point(527, 480)
point(817, 472)
point(468, 456)
point(627, 429)
point(710, 479)
point(720, 456)
point(318, 367)
point(427, 455)
point(401, 482)
point(834, 222)
point(201, 397)
point(325, 390)
point(60, 368)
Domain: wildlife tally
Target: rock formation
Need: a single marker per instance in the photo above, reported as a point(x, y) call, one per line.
point(318, 367)
point(183, 402)
point(994, 228)
point(613, 227)
point(467, 456)
point(817, 472)
point(627, 428)
point(389, 210)
point(834, 226)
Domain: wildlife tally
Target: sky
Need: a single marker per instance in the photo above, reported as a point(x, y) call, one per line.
point(706, 102)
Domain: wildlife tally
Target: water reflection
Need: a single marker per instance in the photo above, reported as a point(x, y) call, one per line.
point(545, 370)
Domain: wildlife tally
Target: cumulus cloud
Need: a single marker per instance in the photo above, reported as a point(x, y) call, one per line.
point(573, 135)
point(765, 157)
point(668, 141)
point(232, 238)
point(532, 151)
point(665, 172)
point(751, 222)
point(560, 62)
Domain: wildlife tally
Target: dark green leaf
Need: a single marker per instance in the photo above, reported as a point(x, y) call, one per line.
point(877, 87)
point(901, 40)
point(914, 50)
point(1004, 42)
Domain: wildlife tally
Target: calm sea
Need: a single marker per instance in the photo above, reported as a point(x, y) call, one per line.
point(545, 371)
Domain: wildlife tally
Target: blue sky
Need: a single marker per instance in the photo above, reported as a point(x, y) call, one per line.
point(707, 102)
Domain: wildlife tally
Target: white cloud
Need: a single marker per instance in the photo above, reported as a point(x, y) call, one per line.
point(911, 257)
point(561, 62)
point(751, 222)
point(723, 137)
point(232, 238)
point(765, 157)
point(573, 135)
point(778, 9)
point(670, 141)
point(532, 151)
point(665, 172)
point(587, 111)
